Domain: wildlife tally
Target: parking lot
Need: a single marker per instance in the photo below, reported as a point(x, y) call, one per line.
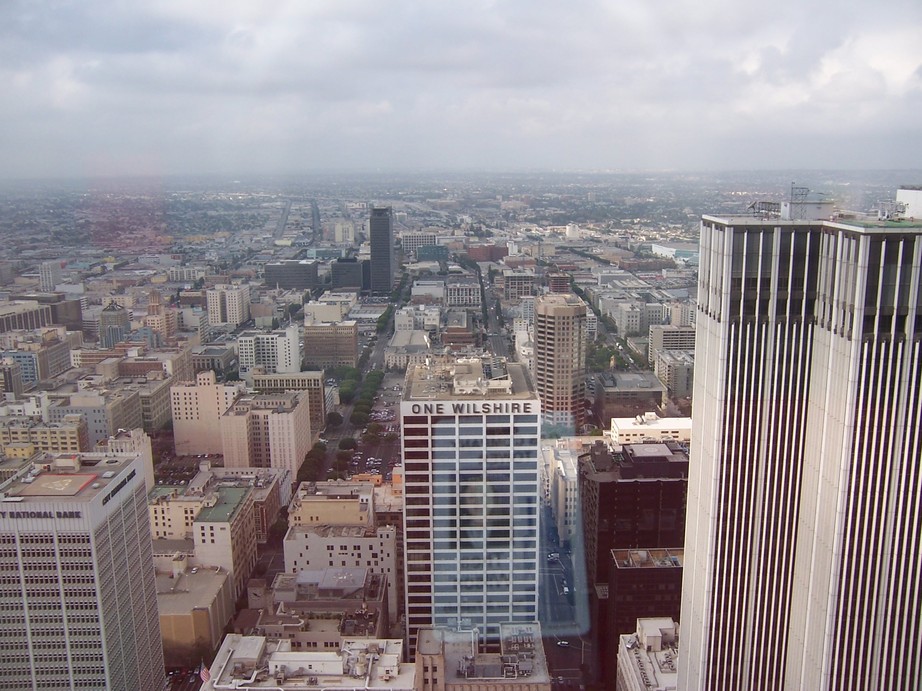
point(379, 441)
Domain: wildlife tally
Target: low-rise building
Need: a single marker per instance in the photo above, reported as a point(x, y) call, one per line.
point(428, 291)
point(650, 427)
point(449, 659)
point(133, 441)
point(68, 435)
point(317, 609)
point(648, 658)
point(333, 503)
point(458, 333)
point(332, 306)
point(625, 394)
point(219, 519)
point(324, 546)
point(463, 292)
point(407, 348)
point(195, 606)
point(253, 662)
point(216, 357)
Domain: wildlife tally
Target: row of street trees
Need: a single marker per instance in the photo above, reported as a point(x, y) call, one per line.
point(364, 400)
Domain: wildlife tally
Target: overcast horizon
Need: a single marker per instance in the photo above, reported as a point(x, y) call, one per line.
point(97, 89)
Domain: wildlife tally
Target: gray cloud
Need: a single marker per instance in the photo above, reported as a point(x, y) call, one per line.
point(101, 88)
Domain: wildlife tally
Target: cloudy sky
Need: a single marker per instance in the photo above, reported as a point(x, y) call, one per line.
point(93, 87)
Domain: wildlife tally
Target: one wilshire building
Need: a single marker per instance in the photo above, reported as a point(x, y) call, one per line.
point(470, 445)
point(803, 560)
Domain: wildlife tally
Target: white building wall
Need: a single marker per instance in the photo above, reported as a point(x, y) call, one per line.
point(77, 586)
point(477, 475)
point(197, 411)
point(310, 548)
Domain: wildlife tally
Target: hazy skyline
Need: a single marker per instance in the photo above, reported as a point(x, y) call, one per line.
point(93, 88)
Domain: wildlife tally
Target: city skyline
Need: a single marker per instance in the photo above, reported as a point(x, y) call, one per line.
point(477, 501)
point(168, 88)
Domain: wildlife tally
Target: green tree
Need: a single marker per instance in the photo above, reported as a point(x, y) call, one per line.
point(334, 419)
point(347, 443)
point(358, 418)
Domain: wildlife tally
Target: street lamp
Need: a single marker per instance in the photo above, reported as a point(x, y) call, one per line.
point(582, 652)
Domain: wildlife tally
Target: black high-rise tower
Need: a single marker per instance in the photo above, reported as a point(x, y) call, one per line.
point(383, 258)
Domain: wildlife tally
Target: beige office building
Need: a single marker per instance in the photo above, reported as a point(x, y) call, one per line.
point(69, 435)
point(331, 344)
point(560, 360)
point(220, 521)
point(253, 662)
point(195, 606)
point(449, 659)
point(648, 658)
point(333, 503)
point(197, 409)
point(267, 431)
point(228, 305)
point(309, 382)
point(315, 609)
point(650, 427)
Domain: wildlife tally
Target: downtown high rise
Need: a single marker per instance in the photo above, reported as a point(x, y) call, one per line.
point(802, 553)
point(560, 360)
point(470, 433)
point(78, 598)
point(383, 257)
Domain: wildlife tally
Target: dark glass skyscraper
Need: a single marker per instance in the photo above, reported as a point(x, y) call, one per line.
point(383, 258)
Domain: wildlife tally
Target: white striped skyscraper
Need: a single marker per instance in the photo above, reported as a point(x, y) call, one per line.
point(803, 553)
point(471, 431)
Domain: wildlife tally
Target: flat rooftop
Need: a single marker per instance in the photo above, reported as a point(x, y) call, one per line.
point(466, 379)
point(229, 500)
point(520, 662)
point(189, 590)
point(845, 221)
point(359, 663)
point(649, 558)
point(66, 477)
point(332, 531)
